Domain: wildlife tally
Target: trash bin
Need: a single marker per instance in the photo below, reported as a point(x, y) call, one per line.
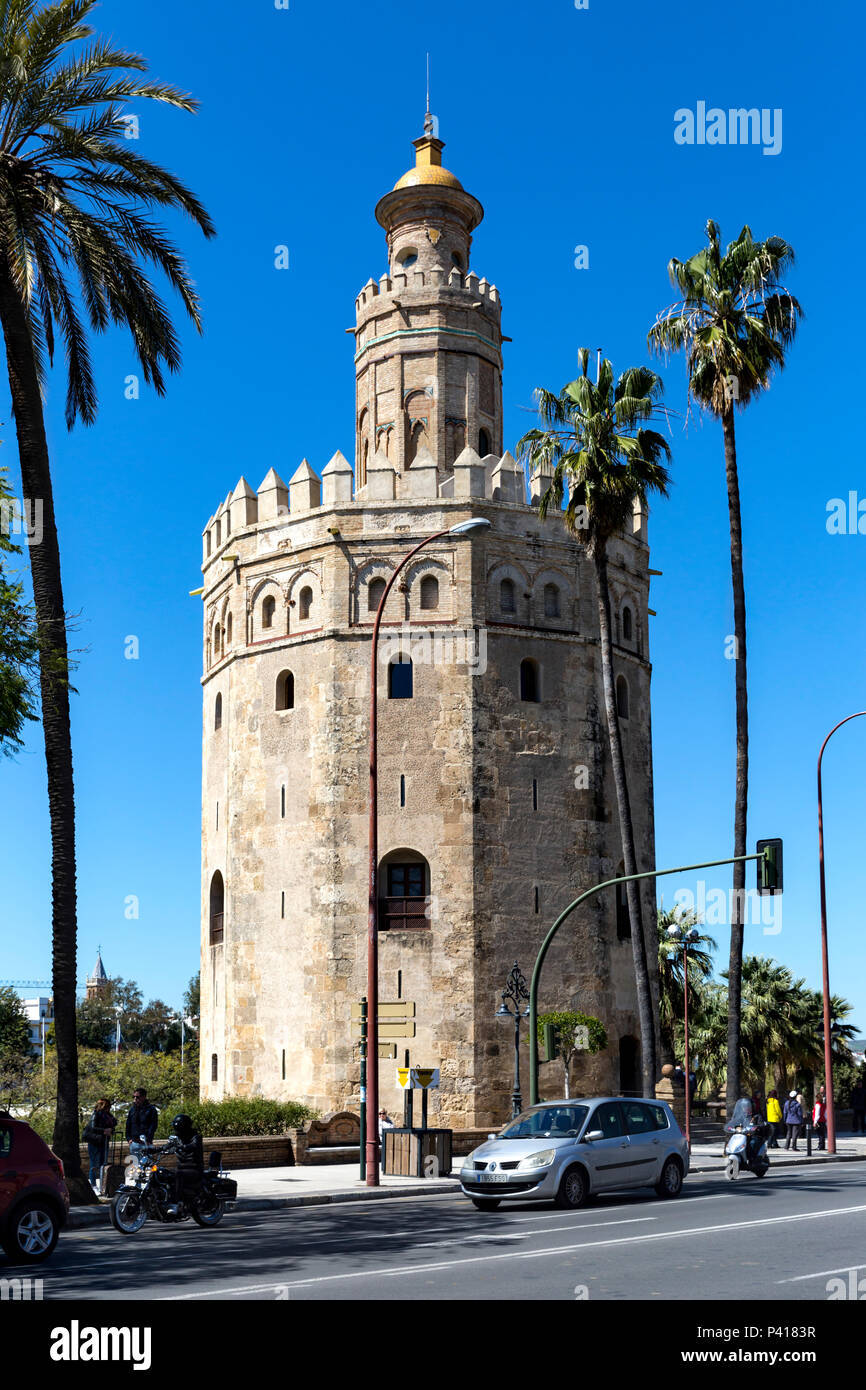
point(417, 1153)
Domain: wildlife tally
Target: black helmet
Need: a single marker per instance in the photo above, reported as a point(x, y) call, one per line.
point(182, 1126)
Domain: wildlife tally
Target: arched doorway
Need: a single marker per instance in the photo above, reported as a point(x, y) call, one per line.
point(629, 1066)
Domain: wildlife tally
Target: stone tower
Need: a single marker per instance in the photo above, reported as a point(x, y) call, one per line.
point(495, 791)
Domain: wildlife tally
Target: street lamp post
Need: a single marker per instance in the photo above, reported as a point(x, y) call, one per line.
point(686, 938)
point(464, 528)
point(825, 963)
point(515, 990)
point(118, 1010)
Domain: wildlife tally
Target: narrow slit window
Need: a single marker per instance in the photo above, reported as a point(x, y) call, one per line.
point(283, 802)
point(534, 794)
point(536, 899)
point(283, 903)
point(402, 790)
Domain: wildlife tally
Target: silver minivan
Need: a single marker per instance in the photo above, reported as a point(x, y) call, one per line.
point(567, 1150)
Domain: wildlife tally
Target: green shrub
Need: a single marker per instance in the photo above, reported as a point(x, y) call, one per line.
point(237, 1115)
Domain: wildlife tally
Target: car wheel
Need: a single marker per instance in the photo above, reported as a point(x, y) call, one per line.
point(486, 1203)
point(573, 1190)
point(32, 1233)
point(670, 1183)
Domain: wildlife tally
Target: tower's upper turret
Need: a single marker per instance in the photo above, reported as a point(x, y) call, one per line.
point(428, 356)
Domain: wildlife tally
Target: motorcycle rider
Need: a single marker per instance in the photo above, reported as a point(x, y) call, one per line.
point(190, 1159)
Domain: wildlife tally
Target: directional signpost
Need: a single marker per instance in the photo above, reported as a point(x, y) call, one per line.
point(396, 1020)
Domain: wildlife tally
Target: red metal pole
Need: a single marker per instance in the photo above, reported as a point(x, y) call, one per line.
point(372, 1136)
point(686, 1048)
point(825, 964)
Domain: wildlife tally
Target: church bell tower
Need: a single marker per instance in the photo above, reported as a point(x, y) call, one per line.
point(428, 358)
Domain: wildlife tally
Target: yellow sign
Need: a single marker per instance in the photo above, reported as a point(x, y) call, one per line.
point(417, 1078)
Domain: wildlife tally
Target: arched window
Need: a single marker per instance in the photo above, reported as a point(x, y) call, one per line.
point(305, 603)
point(429, 591)
point(269, 608)
point(400, 679)
point(229, 626)
point(506, 596)
point(217, 908)
point(407, 258)
point(483, 443)
point(622, 697)
point(285, 690)
point(551, 601)
point(217, 645)
point(218, 712)
point(405, 888)
point(375, 590)
point(214, 1067)
point(529, 681)
point(627, 625)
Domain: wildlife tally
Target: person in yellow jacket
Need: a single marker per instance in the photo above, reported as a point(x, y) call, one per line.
point(774, 1117)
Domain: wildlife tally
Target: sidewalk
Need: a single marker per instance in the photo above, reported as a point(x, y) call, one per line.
point(709, 1158)
point(263, 1189)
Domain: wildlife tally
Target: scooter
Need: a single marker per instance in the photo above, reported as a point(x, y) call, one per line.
point(746, 1149)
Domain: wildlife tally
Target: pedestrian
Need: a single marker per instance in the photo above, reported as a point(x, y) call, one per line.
point(96, 1136)
point(679, 1078)
point(793, 1117)
point(385, 1121)
point(774, 1118)
point(819, 1117)
point(141, 1118)
point(858, 1105)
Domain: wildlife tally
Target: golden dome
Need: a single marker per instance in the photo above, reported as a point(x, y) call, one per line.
point(432, 173)
point(428, 167)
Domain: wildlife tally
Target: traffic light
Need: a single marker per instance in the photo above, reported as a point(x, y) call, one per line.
point(551, 1041)
point(769, 866)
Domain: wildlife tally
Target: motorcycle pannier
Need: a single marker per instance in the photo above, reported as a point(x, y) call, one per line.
point(226, 1188)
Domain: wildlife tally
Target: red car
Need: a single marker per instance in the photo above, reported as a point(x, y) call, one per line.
point(34, 1202)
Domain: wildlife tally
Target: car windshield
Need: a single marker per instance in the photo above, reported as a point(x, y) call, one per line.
point(547, 1122)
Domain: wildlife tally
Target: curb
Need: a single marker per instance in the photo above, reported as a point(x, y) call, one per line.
point(789, 1163)
point(81, 1217)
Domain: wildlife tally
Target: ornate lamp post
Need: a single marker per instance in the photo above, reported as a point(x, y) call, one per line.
point(464, 528)
point(686, 938)
point(516, 993)
point(828, 1039)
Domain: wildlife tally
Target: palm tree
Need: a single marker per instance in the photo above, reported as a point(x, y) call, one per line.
point(75, 236)
point(672, 976)
point(594, 446)
point(735, 321)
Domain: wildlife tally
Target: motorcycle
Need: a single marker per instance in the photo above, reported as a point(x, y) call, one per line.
point(150, 1190)
point(747, 1146)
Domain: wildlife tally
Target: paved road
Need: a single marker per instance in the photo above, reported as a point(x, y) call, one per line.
point(782, 1238)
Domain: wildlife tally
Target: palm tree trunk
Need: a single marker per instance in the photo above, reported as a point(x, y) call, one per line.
point(646, 1013)
point(54, 688)
point(735, 965)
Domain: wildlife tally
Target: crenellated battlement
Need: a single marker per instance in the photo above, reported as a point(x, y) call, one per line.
point(491, 479)
point(435, 278)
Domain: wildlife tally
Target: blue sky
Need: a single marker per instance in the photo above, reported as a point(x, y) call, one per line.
point(562, 122)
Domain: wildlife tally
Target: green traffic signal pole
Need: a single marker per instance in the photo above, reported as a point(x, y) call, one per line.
point(608, 883)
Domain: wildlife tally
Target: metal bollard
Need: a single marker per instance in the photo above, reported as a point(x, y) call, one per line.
point(809, 1140)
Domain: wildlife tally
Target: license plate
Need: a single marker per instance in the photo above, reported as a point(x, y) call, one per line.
point(493, 1177)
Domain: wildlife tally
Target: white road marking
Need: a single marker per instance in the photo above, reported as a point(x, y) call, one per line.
point(555, 1250)
point(821, 1274)
point(493, 1234)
